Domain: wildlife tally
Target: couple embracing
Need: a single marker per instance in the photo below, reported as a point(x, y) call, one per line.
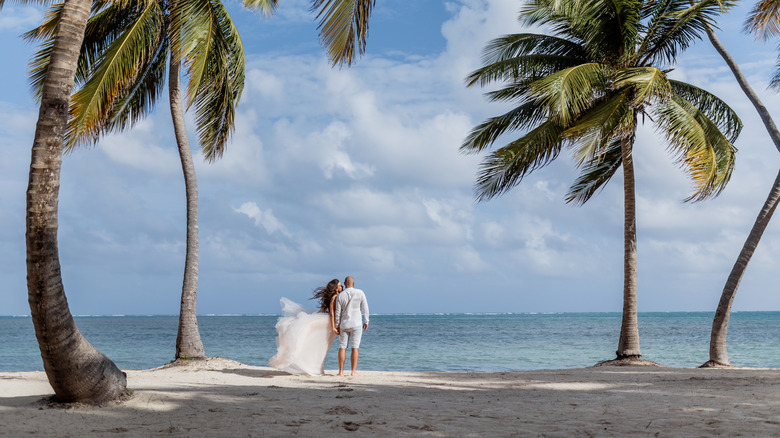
point(304, 338)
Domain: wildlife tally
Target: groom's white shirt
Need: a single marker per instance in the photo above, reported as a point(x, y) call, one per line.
point(349, 304)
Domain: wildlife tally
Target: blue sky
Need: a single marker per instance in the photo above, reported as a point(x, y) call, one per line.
point(335, 172)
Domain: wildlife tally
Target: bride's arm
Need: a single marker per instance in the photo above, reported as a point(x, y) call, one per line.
point(333, 315)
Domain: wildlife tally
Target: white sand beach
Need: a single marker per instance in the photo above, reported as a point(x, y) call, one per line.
point(221, 397)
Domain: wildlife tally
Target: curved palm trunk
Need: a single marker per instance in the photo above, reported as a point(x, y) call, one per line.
point(720, 324)
point(628, 345)
point(718, 352)
point(188, 342)
point(76, 370)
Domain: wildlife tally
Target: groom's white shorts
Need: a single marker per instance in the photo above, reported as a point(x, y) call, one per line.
point(354, 333)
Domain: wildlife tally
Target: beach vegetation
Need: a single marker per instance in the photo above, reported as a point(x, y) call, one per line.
point(600, 69)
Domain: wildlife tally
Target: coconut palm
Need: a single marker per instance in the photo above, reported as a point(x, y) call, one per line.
point(764, 22)
point(76, 370)
point(585, 86)
point(122, 73)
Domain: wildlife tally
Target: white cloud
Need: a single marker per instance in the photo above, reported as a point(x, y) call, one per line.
point(244, 160)
point(266, 218)
point(467, 259)
point(267, 85)
point(358, 172)
point(20, 18)
point(147, 148)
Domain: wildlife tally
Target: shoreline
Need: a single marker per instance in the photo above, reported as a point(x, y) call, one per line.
point(222, 397)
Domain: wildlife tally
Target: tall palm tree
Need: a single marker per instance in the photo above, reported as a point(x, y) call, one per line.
point(764, 21)
point(76, 370)
point(585, 86)
point(122, 73)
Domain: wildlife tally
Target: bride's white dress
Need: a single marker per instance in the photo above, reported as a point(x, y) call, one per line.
point(303, 340)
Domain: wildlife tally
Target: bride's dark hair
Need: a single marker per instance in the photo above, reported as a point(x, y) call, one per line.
point(325, 294)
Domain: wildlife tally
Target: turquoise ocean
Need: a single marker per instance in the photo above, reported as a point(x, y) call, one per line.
point(435, 342)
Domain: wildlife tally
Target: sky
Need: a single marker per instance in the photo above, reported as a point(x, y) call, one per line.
point(357, 171)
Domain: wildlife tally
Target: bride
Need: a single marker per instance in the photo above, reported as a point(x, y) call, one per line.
point(304, 338)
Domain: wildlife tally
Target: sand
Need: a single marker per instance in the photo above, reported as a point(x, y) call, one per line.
point(224, 398)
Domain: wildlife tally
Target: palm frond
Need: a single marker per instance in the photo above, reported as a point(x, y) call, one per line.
point(137, 99)
point(522, 55)
point(608, 118)
point(609, 28)
point(647, 84)
point(102, 28)
point(596, 173)
point(117, 67)
point(519, 91)
point(343, 27)
point(675, 27)
point(712, 106)
point(568, 92)
point(47, 29)
point(266, 7)
point(606, 28)
point(774, 81)
point(507, 166)
point(193, 37)
point(215, 65)
point(697, 145)
point(764, 20)
point(39, 64)
point(484, 135)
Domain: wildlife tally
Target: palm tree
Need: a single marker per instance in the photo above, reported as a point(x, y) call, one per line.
point(585, 86)
point(122, 73)
point(763, 21)
point(76, 370)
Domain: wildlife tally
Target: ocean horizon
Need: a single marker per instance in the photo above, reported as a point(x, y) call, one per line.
point(464, 342)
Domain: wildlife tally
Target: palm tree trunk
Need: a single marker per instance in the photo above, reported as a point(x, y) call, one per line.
point(628, 345)
point(188, 342)
point(720, 324)
point(718, 352)
point(76, 370)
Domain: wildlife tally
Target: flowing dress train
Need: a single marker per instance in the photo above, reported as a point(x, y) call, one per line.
point(303, 340)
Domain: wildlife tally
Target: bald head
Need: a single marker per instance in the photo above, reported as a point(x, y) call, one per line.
point(349, 282)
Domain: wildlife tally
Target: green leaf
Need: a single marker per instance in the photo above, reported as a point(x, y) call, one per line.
point(596, 173)
point(215, 64)
point(506, 167)
point(699, 147)
point(343, 27)
point(647, 84)
point(567, 93)
point(521, 117)
point(609, 118)
point(266, 7)
point(712, 106)
point(118, 67)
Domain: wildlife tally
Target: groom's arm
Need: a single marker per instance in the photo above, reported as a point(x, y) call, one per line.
point(364, 309)
point(337, 315)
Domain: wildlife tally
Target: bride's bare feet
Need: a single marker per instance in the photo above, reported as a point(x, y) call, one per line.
point(354, 373)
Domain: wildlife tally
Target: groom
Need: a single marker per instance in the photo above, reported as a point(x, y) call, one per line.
point(349, 303)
